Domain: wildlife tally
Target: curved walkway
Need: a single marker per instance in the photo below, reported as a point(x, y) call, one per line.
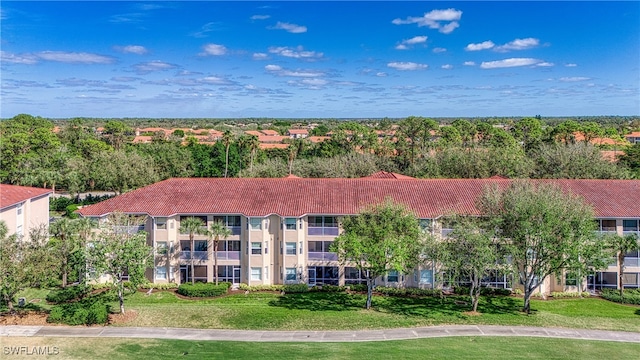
point(317, 336)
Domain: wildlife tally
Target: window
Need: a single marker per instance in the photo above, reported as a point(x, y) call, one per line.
point(19, 210)
point(161, 247)
point(353, 275)
point(290, 223)
point(425, 224)
point(161, 223)
point(426, 277)
point(19, 230)
point(392, 276)
point(323, 225)
point(607, 225)
point(231, 221)
point(202, 218)
point(256, 273)
point(323, 275)
point(256, 248)
point(161, 273)
point(629, 225)
point(320, 250)
point(291, 248)
point(570, 279)
point(229, 245)
point(256, 223)
point(291, 274)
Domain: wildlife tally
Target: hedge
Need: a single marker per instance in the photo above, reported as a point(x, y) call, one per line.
point(85, 312)
point(68, 294)
point(631, 296)
point(203, 289)
point(390, 291)
point(296, 288)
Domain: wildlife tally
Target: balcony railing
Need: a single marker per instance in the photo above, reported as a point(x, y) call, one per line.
point(632, 261)
point(323, 256)
point(128, 229)
point(235, 230)
point(332, 231)
point(228, 255)
point(197, 255)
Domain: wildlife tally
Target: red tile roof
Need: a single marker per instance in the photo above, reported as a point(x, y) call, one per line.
point(429, 198)
point(387, 175)
point(270, 132)
point(265, 146)
point(13, 194)
point(298, 131)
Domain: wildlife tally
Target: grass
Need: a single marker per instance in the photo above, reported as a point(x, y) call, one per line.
point(495, 348)
point(341, 311)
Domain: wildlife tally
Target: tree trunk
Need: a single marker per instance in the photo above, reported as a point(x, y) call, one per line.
point(620, 272)
point(9, 302)
point(64, 272)
point(369, 292)
point(193, 245)
point(215, 260)
point(527, 300)
point(226, 162)
point(474, 293)
point(121, 297)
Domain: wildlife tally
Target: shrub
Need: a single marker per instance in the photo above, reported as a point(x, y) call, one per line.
point(163, 286)
point(67, 294)
point(489, 291)
point(296, 288)
point(630, 296)
point(70, 211)
point(203, 289)
point(328, 288)
point(246, 287)
point(569, 294)
point(358, 287)
point(85, 312)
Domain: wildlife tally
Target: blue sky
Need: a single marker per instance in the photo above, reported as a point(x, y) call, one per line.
point(331, 59)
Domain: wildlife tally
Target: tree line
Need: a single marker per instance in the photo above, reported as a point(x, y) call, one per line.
point(79, 159)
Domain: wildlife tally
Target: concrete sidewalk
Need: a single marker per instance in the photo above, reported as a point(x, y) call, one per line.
point(317, 336)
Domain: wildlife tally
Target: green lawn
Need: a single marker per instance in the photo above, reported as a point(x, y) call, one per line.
point(335, 311)
point(495, 348)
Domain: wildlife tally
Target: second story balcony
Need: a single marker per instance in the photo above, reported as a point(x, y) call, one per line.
point(195, 255)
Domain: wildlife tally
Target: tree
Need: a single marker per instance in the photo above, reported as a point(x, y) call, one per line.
point(116, 133)
point(631, 158)
point(529, 132)
point(383, 237)
point(23, 262)
point(565, 132)
point(590, 130)
point(218, 231)
point(192, 225)
point(619, 246)
point(119, 250)
point(227, 139)
point(543, 229)
point(469, 253)
point(70, 237)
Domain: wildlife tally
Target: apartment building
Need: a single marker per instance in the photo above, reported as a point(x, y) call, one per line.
point(23, 208)
point(282, 229)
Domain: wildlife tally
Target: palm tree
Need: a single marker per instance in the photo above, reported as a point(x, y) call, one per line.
point(192, 225)
point(254, 145)
point(64, 231)
point(621, 245)
point(218, 231)
point(227, 139)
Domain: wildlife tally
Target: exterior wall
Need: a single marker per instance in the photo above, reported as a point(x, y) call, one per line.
point(35, 212)
point(275, 262)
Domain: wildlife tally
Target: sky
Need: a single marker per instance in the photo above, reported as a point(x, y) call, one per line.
point(323, 59)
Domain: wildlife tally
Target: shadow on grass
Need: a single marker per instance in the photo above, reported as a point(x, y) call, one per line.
point(638, 312)
point(427, 307)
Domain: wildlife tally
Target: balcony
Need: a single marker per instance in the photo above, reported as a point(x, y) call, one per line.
point(228, 255)
point(196, 255)
point(235, 230)
point(323, 256)
point(128, 229)
point(631, 261)
point(320, 231)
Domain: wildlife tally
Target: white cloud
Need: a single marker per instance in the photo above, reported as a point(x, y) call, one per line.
point(407, 66)
point(207, 28)
point(26, 59)
point(260, 17)
point(296, 53)
point(292, 28)
point(280, 71)
point(75, 57)
point(469, 63)
point(447, 66)
point(151, 66)
point(444, 21)
point(132, 49)
point(571, 65)
point(506, 63)
point(407, 43)
point(439, 50)
point(545, 64)
point(381, 74)
point(519, 44)
point(574, 79)
point(260, 56)
point(214, 49)
point(480, 46)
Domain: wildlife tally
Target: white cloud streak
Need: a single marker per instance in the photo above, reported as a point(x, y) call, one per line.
point(507, 63)
point(519, 44)
point(480, 46)
point(408, 43)
point(280, 71)
point(296, 53)
point(445, 21)
point(260, 17)
point(407, 66)
point(439, 50)
point(447, 66)
point(132, 49)
point(292, 28)
point(213, 50)
point(574, 79)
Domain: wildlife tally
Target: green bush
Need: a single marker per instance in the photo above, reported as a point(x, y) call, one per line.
point(203, 289)
point(163, 286)
point(489, 291)
point(358, 287)
point(630, 296)
point(85, 312)
point(295, 288)
point(390, 291)
point(70, 211)
point(328, 288)
point(246, 287)
point(569, 294)
point(70, 293)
